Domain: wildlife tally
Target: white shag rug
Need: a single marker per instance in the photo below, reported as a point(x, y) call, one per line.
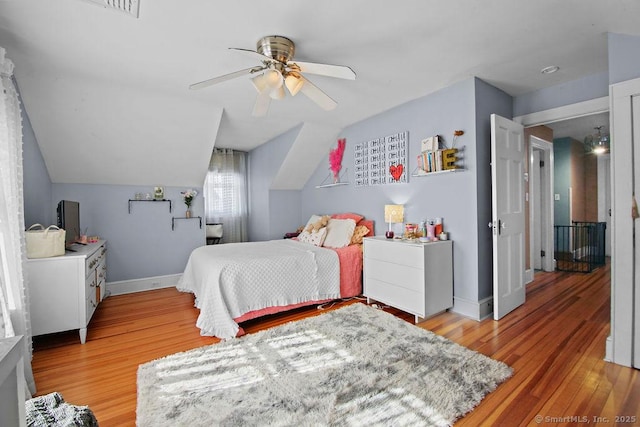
point(355, 366)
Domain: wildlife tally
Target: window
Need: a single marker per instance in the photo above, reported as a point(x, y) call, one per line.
point(225, 194)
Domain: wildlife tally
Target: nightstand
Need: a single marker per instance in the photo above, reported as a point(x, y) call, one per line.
point(411, 276)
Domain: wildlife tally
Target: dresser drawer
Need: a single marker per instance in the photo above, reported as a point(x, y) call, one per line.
point(91, 305)
point(405, 277)
point(92, 262)
point(394, 252)
point(396, 296)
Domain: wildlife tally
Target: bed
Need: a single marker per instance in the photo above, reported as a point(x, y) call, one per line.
point(236, 282)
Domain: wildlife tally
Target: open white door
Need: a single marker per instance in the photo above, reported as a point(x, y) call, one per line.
point(507, 192)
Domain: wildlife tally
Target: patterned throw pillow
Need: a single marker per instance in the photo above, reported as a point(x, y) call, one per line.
point(358, 234)
point(315, 238)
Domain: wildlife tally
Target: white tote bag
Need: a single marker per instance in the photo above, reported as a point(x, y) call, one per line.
point(44, 242)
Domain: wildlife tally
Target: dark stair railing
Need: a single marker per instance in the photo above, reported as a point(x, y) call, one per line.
point(579, 247)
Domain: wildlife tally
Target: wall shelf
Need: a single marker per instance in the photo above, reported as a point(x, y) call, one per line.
point(335, 184)
point(150, 200)
point(418, 173)
point(326, 183)
point(173, 220)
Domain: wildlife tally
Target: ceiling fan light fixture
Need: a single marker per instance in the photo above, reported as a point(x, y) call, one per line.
point(260, 83)
point(294, 84)
point(274, 79)
point(277, 70)
point(278, 93)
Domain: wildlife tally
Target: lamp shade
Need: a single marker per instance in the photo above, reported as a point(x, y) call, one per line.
point(273, 79)
point(278, 93)
point(260, 83)
point(293, 83)
point(393, 213)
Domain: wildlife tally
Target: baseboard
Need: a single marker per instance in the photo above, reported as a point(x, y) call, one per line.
point(145, 284)
point(528, 276)
point(476, 310)
point(608, 353)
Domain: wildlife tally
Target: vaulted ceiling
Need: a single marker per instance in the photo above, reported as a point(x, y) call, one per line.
point(107, 94)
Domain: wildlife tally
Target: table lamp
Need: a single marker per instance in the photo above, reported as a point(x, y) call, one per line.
point(393, 214)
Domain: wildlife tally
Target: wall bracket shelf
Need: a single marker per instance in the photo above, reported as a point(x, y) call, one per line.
point(173, 220)
point(418, 173)
point(327, 181)
point(151, 200)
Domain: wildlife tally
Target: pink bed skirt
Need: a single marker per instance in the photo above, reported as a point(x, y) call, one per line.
point(350, 284)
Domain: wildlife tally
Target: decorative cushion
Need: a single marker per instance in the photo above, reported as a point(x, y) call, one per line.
point(315, 238)
point(369, 224)
point(312, 220)
point(358, 234)
point(339, 232)
point(51, 410)
point(352, 216)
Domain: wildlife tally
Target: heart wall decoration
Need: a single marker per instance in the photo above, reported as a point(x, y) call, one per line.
point(382, 160)
point(396, 171)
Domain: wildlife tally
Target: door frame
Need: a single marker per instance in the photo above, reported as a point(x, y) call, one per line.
point(546, 209)
point(623, 344)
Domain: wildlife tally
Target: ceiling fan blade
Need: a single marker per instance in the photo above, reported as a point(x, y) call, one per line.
point(263, 101)
point(338, 71)
point(316, 95)
point(224, 78)
point(252, 53)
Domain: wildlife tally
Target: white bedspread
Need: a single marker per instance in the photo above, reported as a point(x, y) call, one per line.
point(231, 279)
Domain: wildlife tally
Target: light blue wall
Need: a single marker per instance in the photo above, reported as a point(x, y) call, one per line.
point(561, 180)
point(489, 100)
point(624, 64)
point(579, 90)
point(36, 181)
point(624, 57)
point(453, 197)
point(271, 213)
point(141, 243)
point(285, 205)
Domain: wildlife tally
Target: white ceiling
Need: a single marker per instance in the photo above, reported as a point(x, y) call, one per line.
point(108, 97)
point(581, 127)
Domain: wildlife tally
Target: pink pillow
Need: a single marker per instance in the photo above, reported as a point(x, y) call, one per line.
point(369, 224)
point(352, 216)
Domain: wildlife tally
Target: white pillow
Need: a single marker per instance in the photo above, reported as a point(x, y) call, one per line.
point(312, 220)
point(339, 233)
point(316, 238)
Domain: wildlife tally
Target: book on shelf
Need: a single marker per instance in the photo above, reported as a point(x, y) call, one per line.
point(438, 160)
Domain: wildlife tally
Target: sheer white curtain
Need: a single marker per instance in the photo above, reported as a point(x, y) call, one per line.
point(13, 290)
point(225, 193)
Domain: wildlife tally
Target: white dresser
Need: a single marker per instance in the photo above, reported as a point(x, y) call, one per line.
point(64, 291)
point(414, 277)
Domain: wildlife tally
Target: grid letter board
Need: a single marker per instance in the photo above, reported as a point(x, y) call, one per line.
point(382, 160)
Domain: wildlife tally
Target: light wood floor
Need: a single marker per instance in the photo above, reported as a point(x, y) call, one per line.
point(555, 343)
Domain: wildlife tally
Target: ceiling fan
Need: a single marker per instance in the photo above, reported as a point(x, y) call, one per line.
point(278, 70)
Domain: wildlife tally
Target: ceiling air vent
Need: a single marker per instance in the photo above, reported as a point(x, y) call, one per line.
point(130, 7)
